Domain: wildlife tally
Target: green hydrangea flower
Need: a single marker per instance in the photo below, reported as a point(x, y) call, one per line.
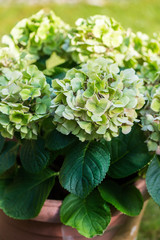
point(8, 58)
point(94, 37)
point(101, 36)
point(41, 34)
point(12, 57)
point(151, 119)
point(24, 101)
point(96, 100)
point(149, 63)
point(155, 104)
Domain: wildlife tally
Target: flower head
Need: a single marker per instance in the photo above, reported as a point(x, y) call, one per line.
point(151, 118)
point(40, 34)
point(24, 100)
point(101, 36)
point(94, 37)
point(96, 100)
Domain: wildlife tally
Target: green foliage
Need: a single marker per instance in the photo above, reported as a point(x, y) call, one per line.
point(126, 198)
point(84, 168)
point(3, 184)
point(56, 141)
point(34, 157)
point(24, 197)
point(2, 141)
point(153, 179)
point(8, 156)
point(89, 216)
point(129, 153)
point(55, 73)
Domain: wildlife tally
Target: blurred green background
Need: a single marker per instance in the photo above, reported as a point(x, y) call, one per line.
point(140, 15)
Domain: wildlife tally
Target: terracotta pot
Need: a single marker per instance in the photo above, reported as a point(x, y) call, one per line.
point(47, 225)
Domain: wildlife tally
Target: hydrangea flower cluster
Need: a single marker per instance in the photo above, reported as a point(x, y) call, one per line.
point(24, 101)
point(7, 58)
point(94, 37)
point(149, 62)
point(12, 57)
point(95, 101)
point(102, 36)
point(151, 120)
point(91, 102)
point(41, 34)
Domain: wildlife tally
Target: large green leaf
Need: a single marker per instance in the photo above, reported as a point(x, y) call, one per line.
point(129, 153)
point(84, 168)
point(34, 156)
point(25, 196)
point(3, 185)
point(8, 156)
point(153, 179)
point(56, 140)
point(89, 216)
point(2, 141)
point(126, 199)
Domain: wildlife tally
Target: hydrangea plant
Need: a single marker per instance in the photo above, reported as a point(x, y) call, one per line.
point(91, 123)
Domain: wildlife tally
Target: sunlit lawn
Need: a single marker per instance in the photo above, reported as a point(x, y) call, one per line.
point(150, 225)
point(140, 15)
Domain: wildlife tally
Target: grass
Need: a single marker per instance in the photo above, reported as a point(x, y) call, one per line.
point(140, 15)
point(150, 225)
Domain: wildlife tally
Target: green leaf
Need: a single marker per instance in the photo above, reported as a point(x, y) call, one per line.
point(54, 73)
point(89, 216)
point(3, 185)
point(25, 196)
point(129, 153)
point(84, 168)
point(153, 179)
point(49, 80)
point(8, 156)
point(41, 63)
point(4, 119)
point(2, 141)
point(34, 156)
point(56, 140)
point(126, 199)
